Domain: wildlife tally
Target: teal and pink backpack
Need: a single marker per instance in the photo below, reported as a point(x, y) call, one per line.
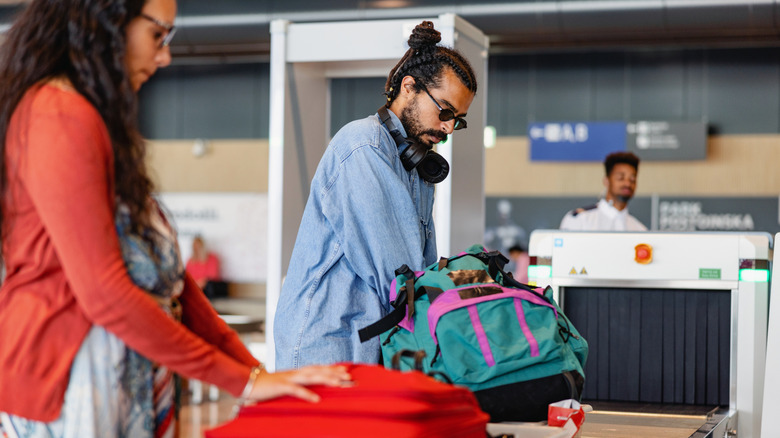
point(466, 320)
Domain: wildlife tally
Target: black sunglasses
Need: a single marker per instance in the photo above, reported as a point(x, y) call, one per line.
point(445, 115)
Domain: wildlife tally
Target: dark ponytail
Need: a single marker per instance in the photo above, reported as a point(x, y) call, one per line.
point(425, 61)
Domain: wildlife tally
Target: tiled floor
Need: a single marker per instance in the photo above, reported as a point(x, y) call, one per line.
point(194, 419)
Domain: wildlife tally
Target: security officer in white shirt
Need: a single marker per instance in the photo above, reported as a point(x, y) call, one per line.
point(610, 213)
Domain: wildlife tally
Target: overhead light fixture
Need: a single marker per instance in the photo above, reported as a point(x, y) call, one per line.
point(490, 137)
point(387, 4)
point(200, 148)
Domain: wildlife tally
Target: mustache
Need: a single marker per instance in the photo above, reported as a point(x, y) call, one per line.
point(440, 134)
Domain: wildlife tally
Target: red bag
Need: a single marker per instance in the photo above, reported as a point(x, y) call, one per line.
point(567, 414)
point(381, 403)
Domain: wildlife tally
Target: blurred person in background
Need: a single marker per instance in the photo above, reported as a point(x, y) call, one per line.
point(611, 212)
point(203, 265)
point(518, 263)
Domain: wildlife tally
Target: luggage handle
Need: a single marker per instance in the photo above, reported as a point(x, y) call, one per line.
point(571, 383)
point(418, 356)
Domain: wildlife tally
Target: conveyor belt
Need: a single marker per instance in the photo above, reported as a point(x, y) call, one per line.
point(616, 420)
point(609, 424)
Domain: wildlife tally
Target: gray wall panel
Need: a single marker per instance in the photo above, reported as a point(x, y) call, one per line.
point(737, 91)
point(509, 100)
point(213, 101)
point(610, 73)
point(695, 98)
point(562, 88)
point(159, 106)
point(656, 86)
point(744, 91)
point(353, 99)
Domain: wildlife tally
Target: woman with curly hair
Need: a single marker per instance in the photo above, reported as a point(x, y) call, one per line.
point(96, 310)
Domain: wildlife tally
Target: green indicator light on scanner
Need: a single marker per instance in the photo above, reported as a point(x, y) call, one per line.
point(539, 271)
point(755, 275)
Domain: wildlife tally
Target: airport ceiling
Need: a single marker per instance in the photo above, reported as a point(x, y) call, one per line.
point(240, 28)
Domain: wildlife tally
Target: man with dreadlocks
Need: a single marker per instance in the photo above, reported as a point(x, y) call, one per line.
point(370, 208)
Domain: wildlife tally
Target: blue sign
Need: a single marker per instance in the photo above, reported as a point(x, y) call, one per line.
point(576, 141)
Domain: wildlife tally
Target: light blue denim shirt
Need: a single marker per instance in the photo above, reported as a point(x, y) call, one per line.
point(365, 217)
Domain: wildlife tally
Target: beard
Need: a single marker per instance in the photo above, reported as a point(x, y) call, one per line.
point(410, 120)
point(624, 198)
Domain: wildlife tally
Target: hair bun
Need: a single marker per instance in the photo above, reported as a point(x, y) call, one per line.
point(424, 36)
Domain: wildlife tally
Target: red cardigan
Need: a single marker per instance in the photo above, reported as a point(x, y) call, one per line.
point(65, 272)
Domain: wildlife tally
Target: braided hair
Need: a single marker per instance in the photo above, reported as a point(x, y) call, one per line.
point(425, 62)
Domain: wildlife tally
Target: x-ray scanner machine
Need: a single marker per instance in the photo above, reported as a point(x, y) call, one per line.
point(673, 319)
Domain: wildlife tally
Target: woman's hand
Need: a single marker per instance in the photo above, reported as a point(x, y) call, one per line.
point(293, 383)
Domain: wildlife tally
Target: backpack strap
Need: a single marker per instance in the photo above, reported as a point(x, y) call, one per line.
point(565, 332)
point(496, 262)
point(409, 296)
point(409, 274)
point(441, 376)
point(387, 322)
point(432, 292)
point(510, 281)
point(392, 319)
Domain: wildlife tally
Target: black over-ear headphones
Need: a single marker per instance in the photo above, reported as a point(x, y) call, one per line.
point(431, 166)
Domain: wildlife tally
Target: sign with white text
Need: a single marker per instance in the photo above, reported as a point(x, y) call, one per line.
point(233, 226)
point(593, 141)
point(656, 141)
point(576, 141)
